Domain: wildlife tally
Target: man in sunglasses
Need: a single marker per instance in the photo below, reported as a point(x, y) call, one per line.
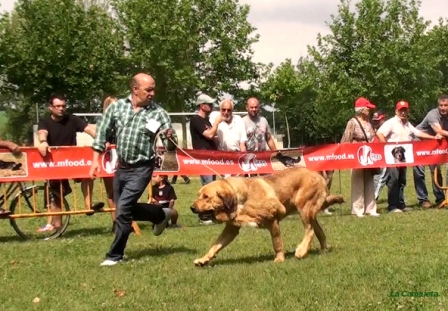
point(231, 134)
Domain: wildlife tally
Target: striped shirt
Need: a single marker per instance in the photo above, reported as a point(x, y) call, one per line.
point(134, 141)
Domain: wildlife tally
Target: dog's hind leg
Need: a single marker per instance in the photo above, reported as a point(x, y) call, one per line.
point(319, 234)
point(277, 242)
point(225, 238)
point(303, 248)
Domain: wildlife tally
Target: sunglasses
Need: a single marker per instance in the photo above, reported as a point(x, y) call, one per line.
point(226, 110)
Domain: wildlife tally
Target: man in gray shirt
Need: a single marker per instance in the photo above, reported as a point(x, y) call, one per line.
point(435, 122)
point(258, 133)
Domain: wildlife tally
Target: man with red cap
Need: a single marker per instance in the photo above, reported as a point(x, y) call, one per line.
point(399, 129)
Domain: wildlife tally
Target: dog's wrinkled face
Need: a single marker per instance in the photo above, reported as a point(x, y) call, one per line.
point(216, 200)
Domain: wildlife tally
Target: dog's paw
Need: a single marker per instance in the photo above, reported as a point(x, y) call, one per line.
point(279, 258)
point(201, 262)
point(301, 253)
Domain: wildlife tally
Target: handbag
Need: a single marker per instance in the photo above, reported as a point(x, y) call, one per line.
point(374, 170)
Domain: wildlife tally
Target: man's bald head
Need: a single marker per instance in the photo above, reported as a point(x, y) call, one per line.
point(252, 100)
point(142, 89)
point(253, 107)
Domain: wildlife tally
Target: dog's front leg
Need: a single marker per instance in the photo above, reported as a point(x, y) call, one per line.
point(227, 235)
point(277, 242)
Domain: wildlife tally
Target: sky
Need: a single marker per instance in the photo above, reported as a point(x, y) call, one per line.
point(286, 27)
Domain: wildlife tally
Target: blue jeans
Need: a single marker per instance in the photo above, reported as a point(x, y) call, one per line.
point(206, 179)
point(379, 181)
point(129, 185)
point(395, 184)
point(420, 186)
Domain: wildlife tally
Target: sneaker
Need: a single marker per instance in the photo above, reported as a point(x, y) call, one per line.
point(159, 228)
point(408, 209)
point(396, 210)
point(206, 222)
point(375, 214)
point(327, 212)
point(46, 228)
point(109, 262)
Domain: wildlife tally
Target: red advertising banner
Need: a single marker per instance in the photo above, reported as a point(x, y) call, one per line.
point(75, 162)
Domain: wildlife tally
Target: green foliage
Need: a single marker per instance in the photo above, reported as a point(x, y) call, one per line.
point(380, 50)
point(189, 45)
point(60, 46)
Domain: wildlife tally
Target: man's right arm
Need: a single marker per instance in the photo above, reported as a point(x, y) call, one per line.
point(211, 132)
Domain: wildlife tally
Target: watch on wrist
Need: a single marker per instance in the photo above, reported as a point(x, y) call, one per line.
point(43, 141)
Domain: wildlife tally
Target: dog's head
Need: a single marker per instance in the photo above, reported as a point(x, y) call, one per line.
point(398, 153)
point(216, 200)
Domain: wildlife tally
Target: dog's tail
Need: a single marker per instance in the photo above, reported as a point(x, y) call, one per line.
point(332, 199)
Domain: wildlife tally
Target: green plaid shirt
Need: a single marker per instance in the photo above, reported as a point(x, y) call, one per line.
point(134, 142)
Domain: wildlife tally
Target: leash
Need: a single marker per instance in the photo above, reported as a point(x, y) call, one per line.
point(184, 152)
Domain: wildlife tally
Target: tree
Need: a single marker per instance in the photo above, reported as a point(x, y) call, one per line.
point(189, 45)
point(60, 46)
point(377, 51)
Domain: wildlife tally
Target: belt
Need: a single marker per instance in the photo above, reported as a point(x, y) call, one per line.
point(124, 165)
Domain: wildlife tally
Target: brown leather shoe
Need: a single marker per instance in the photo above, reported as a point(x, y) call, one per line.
point(426, 204)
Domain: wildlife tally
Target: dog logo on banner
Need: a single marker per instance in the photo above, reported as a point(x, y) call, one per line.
point(367, 157)
point(249, 163)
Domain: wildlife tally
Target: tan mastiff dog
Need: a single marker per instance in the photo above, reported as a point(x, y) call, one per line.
point(263, 202)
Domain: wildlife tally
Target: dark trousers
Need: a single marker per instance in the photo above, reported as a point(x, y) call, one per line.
point(420, 185)
point(395, 184)
point(129, 185)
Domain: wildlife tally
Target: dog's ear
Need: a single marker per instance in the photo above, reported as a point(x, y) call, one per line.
point(228, 200)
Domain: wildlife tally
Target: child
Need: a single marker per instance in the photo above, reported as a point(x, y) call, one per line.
point(163, 193)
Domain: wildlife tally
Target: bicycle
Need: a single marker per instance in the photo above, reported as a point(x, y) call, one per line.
point(26, 199)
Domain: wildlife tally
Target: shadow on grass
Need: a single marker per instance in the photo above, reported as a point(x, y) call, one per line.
point(12, 238)
point(161, 251)
point(265, 258)
point(80, 232)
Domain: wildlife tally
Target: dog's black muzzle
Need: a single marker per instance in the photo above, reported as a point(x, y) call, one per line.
point(207, 215)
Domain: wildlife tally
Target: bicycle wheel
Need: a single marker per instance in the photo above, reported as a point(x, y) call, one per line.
point(27, 227)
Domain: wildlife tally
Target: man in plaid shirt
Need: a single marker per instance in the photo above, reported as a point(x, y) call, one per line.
point(136, 121)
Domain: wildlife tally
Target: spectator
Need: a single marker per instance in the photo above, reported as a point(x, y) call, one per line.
point(379, 180)
point(163, 194)
point(59, 129)
point(399, 129)
point(435, 122)
point(15, 149)
point(258, 133)
point(184, 177)
point(359, 130)
point(231, 134)
point(136, 121)
point(203, 133)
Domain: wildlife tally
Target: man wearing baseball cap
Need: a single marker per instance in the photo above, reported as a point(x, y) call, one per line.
point(398, 129)
point(435, 122)
point(203, 132)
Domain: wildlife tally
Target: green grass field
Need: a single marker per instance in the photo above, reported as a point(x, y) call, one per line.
point(371, 260)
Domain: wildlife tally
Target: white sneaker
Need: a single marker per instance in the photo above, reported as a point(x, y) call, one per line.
point(159, 228)
point(109, 262)
point(207, 222)
point(327, 212)
point(375, 214)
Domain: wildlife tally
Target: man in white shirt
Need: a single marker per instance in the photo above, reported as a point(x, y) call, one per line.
point(399, 129)
point(231, 134)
